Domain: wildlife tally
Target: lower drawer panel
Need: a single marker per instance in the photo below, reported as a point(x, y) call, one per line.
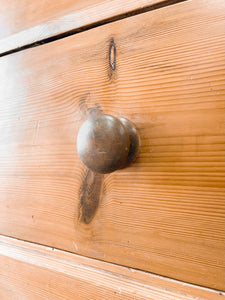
point(163, 214)
point(29, 271)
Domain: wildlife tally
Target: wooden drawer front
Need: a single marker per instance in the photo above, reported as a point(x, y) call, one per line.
point(165, 213)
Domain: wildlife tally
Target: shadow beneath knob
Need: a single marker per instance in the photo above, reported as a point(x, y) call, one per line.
point(89, 196)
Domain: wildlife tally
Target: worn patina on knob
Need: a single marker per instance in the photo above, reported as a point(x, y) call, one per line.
point(106, 143)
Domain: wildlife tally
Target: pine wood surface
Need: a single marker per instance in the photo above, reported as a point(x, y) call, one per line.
point(165, 213)
point(30, 271)
point(23, 22)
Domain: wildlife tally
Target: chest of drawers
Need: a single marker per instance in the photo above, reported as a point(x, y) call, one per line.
point(85, 235)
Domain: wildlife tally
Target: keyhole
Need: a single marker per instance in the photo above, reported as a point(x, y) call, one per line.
point(112, 56)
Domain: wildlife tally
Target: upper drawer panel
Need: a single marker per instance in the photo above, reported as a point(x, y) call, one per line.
point(165, 213)
point(24, 22)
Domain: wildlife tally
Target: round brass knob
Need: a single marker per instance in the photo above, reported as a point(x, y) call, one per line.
point(106, 143)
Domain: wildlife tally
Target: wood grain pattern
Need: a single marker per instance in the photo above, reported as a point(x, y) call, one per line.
point(30, 271)
point(165, 213)
point(24, 22)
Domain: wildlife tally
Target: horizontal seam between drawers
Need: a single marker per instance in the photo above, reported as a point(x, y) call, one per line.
point(88, 27)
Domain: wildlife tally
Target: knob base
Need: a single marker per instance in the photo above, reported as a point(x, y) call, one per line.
point(134, 141)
